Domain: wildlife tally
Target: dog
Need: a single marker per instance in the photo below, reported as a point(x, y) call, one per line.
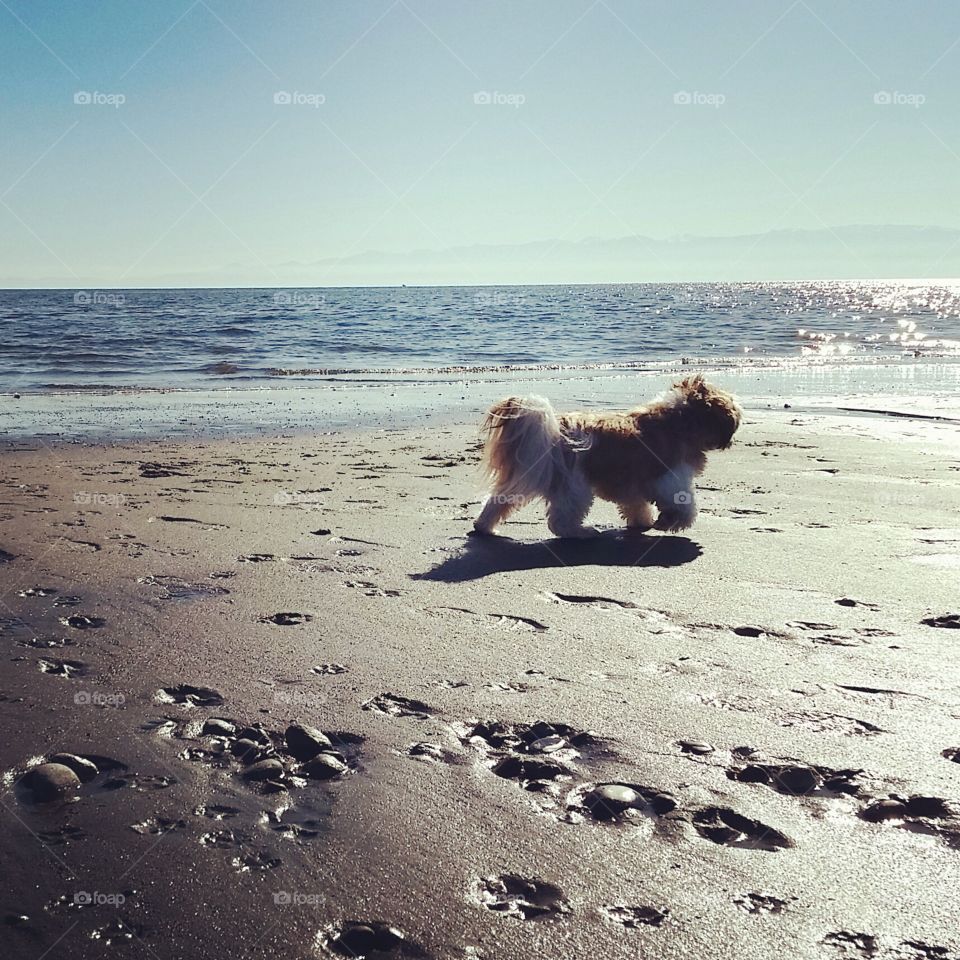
point(645, 457)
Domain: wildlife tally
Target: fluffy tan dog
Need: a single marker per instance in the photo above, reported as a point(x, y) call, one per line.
point(647, 456)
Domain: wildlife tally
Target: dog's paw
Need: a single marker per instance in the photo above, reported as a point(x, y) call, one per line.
point(479, 531)
point(674, 522)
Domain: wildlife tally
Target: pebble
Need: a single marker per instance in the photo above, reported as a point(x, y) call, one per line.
point(362, 939)
point(215, 727)
point(798, 779)
point(85, 770)
point(607, 800)
point(548, 744)
point(884, 810)
point(306, 742)
point(247, 751)
point(47, 781)
point(325, 766)
point(696, 746)
point(257, 734)
point(264, 770)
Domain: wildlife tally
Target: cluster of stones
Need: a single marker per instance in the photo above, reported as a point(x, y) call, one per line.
point(57, 778)
point(265, 757)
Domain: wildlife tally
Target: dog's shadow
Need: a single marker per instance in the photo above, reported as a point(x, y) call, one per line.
point(483, 555)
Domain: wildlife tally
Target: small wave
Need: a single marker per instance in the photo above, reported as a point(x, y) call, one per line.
point(222, 368)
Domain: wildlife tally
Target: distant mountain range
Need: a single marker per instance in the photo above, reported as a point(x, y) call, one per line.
point(847, 252)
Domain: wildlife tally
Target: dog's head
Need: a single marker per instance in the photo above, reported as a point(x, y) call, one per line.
point(710, 414)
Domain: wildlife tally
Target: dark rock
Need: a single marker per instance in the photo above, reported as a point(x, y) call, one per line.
point(255, 733)
point(884, 810)
point(247, 751)
point(217, 727)
point(85, 770)
point(270, 769)
point(325, 766)
point(48, 781)
point(305, 742)
point(798, 780)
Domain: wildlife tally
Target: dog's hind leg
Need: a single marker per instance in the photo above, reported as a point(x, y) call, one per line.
point(496, 509)
point(637, 515)
point(568, 507)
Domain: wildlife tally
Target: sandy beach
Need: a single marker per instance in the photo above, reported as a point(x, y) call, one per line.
point(314, 718)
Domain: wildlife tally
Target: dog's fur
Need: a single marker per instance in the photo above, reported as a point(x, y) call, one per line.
point(649, 455)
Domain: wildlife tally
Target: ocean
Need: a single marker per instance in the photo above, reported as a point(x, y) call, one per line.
point(68, 340)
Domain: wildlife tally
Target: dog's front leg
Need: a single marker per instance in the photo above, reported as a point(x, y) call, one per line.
point(637, 515)
point(675, 499)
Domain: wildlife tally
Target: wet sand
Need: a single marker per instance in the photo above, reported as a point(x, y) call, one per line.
point(741, 742)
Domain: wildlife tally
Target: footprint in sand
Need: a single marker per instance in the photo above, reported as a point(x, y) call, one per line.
point(519, 897)
point(508, 620)
point(46, 643)
point(67, 601)
point(329, 669)
point(62, 668)
point(629, 803)
point(189, 696)
point(201, 523)
point(847, 944)
point(728, 828)
point(370, 589)
point(256, 558)
point(217, 811)
point(850, 602)
point(797, 779)
point(397, 706)
point(83, 623)
point(760, 903)
point(823, 722)
point(373, 939)
point(37, 592)
point(930, 816)
point(255, 861)
point(601, 603)
point(633, 917)
point(950, 621)
point(157, 826)
point(287, 619)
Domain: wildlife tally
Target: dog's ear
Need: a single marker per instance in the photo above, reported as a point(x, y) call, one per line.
point(692, 387)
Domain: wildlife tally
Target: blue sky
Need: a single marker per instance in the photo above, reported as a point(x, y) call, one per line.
point(605, 119)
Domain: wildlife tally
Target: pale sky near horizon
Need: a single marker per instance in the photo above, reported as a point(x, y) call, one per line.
point(595, 120)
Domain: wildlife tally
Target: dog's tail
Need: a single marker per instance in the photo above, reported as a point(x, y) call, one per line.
point(526, 451)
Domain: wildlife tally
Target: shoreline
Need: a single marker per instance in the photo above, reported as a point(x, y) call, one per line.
point(924, 390)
